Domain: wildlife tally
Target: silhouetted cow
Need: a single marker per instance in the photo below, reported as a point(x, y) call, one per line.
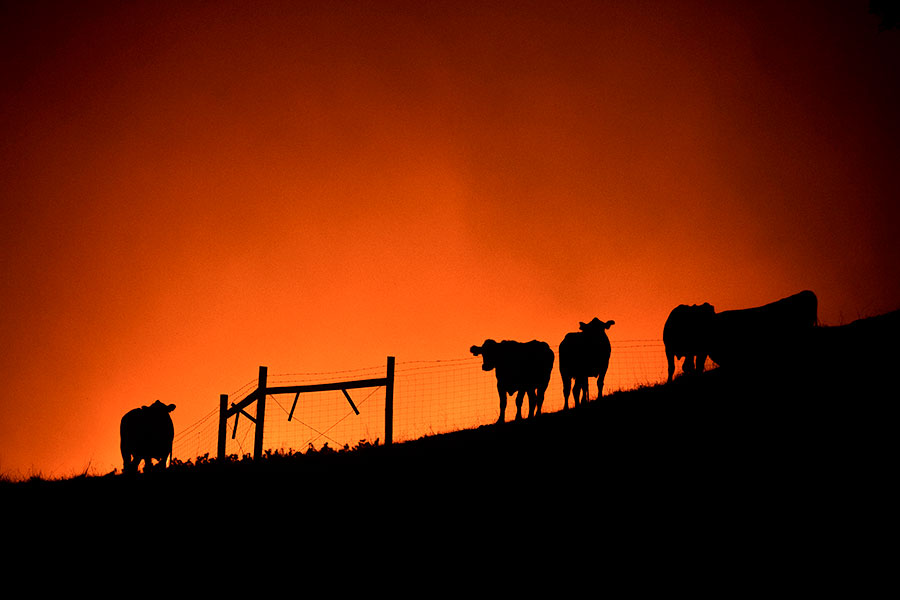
point(753, 335)
point(584, 354)
point(147, 433)
point(687, 334)
point(522, 368)
point(738, 337)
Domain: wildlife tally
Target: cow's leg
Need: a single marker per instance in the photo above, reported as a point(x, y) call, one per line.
point(129, 463)
point(519, 398)
point(502, 404)
point(532, 403)
point(567, 387)
point(581, 391)
point(126, 461)
point(701, 362)
point(670, 360)
point(600, 379)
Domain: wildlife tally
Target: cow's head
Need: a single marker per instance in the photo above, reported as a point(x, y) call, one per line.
point(487, 352)
point(162, 408)
point(706, 309)
point(596, 326)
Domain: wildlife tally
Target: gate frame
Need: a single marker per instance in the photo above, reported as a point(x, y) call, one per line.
point(262, 390)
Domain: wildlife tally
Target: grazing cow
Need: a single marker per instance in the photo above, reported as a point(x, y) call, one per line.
point(584, 354)
point(737, 336)
point(146, 434)
point(521, 368)
point(687, 334)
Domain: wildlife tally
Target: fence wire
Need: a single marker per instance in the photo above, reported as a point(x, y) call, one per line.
point(430, 397)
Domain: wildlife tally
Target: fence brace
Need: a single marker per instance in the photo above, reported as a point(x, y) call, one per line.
point(262, 390)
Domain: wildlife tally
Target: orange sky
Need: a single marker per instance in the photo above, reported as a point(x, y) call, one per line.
point(190, 190)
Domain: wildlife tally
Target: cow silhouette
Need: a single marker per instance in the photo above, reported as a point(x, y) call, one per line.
point(584, 354)
point(737, 338)
point(521, 368)
point(687, 334)
point(146, 434)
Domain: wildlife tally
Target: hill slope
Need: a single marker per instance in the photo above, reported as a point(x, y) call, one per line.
point(796, 448)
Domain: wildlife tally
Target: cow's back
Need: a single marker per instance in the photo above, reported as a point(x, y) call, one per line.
point(582, 353)
point(524, 365)
point(739, 335)
point(146, 432)
point(570, 350)
point(129, 427)
point(540, 358)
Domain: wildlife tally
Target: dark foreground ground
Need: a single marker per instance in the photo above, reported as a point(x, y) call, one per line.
point(785, 467)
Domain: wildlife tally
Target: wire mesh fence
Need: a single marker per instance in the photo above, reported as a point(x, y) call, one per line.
point(430, 397)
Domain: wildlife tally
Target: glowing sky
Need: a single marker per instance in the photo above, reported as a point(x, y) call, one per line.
point(191, 189)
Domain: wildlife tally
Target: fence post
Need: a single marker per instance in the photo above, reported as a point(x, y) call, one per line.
point(389, 403)
point(260, 413)
point(223, 419)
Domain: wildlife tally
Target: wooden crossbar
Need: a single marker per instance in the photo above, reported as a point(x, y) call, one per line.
point(263, 390)
point(326, 387)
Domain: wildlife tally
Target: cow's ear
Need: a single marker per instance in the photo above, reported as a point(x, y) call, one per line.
point(476, 350)
point(582, 325)
point(609, 324)
point(171, 407)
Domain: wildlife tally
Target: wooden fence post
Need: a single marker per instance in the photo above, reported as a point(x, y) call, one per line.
point(263, 390)
point(223, 420)
point(260, 413)
point(389, 403)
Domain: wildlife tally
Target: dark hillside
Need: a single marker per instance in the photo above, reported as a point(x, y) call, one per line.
point(795, 445)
